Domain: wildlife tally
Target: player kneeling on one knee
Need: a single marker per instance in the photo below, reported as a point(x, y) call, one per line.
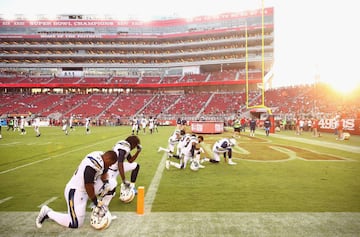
point(222, 146)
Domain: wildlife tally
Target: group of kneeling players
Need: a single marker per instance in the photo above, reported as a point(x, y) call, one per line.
point(96, 176)
point(188, 149)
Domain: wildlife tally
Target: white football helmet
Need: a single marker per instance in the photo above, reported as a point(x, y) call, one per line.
point(127, 194)
point(100, 218)
point(194, 166)
point(232, 141)
point(346, 136)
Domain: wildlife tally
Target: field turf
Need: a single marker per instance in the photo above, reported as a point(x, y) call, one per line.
point(275, 175)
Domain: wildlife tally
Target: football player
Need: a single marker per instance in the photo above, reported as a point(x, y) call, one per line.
point(37, 126)
point(135, 127)
point(87, 125)
point(65, 126)
point(188, 152)
point(222, 146)
point(81, 187)
point(151, 124)
point(22, 125)
point(125, 163)
point(172, 142)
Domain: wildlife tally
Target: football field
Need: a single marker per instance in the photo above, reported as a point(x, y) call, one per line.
point(282, 185)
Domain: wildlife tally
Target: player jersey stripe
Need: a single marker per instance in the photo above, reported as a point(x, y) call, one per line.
point(74, 220)
point(95, 162)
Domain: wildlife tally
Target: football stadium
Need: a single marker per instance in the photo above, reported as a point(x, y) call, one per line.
point(78, 83)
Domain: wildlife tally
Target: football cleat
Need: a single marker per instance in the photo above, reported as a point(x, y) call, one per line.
point(231, 162)
point(42, 216)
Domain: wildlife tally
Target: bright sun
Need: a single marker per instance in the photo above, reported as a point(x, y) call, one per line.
point(342, 81)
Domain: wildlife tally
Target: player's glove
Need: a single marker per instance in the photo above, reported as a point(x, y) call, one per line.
point(97, 203)
point(139, 147)
point(126, 183)
point(105, 188)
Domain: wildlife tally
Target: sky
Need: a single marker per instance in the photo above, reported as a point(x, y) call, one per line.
point(311, 37)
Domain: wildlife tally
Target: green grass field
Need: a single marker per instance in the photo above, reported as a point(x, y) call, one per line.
point(282, 173)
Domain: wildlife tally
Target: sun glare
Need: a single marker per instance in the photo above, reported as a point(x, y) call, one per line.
point(344, 83)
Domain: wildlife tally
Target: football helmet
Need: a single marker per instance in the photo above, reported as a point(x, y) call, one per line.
point(194, 166)
point(127, 194)
point(346, 136)
point(100, 218)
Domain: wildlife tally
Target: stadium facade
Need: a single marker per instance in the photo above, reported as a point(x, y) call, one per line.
point(84, 54)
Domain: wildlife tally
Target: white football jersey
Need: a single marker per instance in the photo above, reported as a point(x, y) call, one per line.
point(93, 160)
point(186, 150)
point(173, 139)
point(151, 123)
point(222, 145)
point(120, 145)
point(183, 140)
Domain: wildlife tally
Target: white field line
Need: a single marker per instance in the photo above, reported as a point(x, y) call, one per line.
point(9, 144)
point(51, 157)
point(48, 201)
point(154, 185)
point(5, 200)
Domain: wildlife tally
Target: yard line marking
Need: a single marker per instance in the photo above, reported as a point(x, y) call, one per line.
point(5, 200)
point(47, 202)
point(154, 185)
point(51, 157)
point(22, 166)
point(38, 144)
point(9, 144)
